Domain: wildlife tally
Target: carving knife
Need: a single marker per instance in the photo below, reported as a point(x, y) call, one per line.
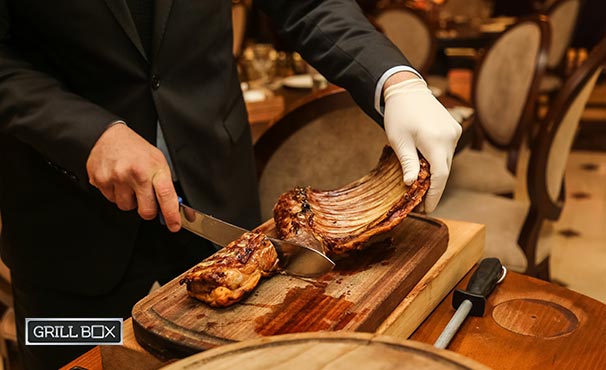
point(294, 259)
point(489, 273)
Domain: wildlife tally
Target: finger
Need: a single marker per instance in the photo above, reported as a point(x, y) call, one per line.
point(125, 197)
point(167, 199)
point(439, 170)
point(409, 158)
point(147, 207)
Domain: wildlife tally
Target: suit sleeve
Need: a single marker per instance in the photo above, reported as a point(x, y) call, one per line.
point(336, 38)
point(36, 109)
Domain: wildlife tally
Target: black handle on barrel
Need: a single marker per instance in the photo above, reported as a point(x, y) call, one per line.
point(481, 284)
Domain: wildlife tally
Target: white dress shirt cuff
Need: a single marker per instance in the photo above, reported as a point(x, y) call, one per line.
point(379, 89)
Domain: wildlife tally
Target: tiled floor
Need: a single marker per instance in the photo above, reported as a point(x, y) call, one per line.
point(579, 254)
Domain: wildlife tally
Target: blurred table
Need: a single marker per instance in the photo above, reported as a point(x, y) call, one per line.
point(261, 114)
point(471, 34)
point(460, 44)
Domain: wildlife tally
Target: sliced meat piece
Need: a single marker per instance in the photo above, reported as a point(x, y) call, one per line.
point(343, 219)
point(225, 277)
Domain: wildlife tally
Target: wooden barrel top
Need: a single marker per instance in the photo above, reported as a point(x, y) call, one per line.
point(326, 351)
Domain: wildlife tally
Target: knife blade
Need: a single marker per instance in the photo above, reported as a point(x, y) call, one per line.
point(294, 259)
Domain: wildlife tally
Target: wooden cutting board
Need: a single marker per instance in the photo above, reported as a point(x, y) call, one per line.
point(357, 295)
point(327, 351)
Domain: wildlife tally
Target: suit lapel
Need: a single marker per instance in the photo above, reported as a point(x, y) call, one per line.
point(161, 14)
point(122, 14)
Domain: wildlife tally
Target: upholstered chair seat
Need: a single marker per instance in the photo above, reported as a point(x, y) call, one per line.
point(482, 171)
point(504, 219)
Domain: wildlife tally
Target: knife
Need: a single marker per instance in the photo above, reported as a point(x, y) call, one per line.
point(294, 259)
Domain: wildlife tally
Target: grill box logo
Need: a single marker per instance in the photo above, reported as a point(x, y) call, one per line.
point(76, 331)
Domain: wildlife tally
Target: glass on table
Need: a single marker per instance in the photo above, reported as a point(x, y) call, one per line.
point(263, 62)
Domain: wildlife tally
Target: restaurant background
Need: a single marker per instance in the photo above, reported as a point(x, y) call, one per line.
point(580, 244)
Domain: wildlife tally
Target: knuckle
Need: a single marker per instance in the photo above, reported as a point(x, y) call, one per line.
point(147, 213)
point(139, 174)
point(163, 192)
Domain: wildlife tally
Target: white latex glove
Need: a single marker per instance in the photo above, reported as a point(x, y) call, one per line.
point(416, 120)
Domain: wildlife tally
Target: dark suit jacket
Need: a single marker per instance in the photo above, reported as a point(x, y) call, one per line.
point(70, 67)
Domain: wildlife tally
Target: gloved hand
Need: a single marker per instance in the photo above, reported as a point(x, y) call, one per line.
point(415, 120)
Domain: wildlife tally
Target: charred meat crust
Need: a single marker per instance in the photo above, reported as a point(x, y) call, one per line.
point(225, 277)
point(343, 219)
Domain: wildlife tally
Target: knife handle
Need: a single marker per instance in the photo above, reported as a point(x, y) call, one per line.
point(161, 216)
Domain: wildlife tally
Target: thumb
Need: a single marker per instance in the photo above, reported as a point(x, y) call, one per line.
point(440, 168)
point(406, 151)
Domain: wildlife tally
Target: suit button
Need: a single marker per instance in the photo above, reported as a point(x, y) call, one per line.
point(155, 82)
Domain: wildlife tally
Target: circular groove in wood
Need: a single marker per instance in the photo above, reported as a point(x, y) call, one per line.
point(535, 318)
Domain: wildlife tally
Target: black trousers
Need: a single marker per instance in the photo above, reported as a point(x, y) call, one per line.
point(159, 255)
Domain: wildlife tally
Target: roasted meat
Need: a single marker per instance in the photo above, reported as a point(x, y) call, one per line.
point(343, 219)
point(337, 221)
point(225, 277)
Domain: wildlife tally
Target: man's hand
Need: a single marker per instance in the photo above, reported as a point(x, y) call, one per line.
point(415, 120)
point(132, 173)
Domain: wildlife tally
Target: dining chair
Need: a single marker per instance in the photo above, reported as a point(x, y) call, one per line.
point(504, 91)
point(562, 16)
point(325, 142)
point(414, 35)
point(519, 231)
point(410, 31)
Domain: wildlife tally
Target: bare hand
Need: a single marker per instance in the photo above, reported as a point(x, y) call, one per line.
point(132, 173)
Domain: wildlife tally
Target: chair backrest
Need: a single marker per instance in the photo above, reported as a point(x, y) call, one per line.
point(554, 140)
point(506, 82)
point(410, 32)
point(562, 15)
point(324, 142)
point(550, 150)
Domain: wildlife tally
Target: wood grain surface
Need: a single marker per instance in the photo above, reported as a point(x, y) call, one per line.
point(358, 295)
point(528, 324)
point(326, 351)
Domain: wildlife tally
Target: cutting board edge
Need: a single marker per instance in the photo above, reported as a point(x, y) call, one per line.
point(169, 349)
point(442, 278)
